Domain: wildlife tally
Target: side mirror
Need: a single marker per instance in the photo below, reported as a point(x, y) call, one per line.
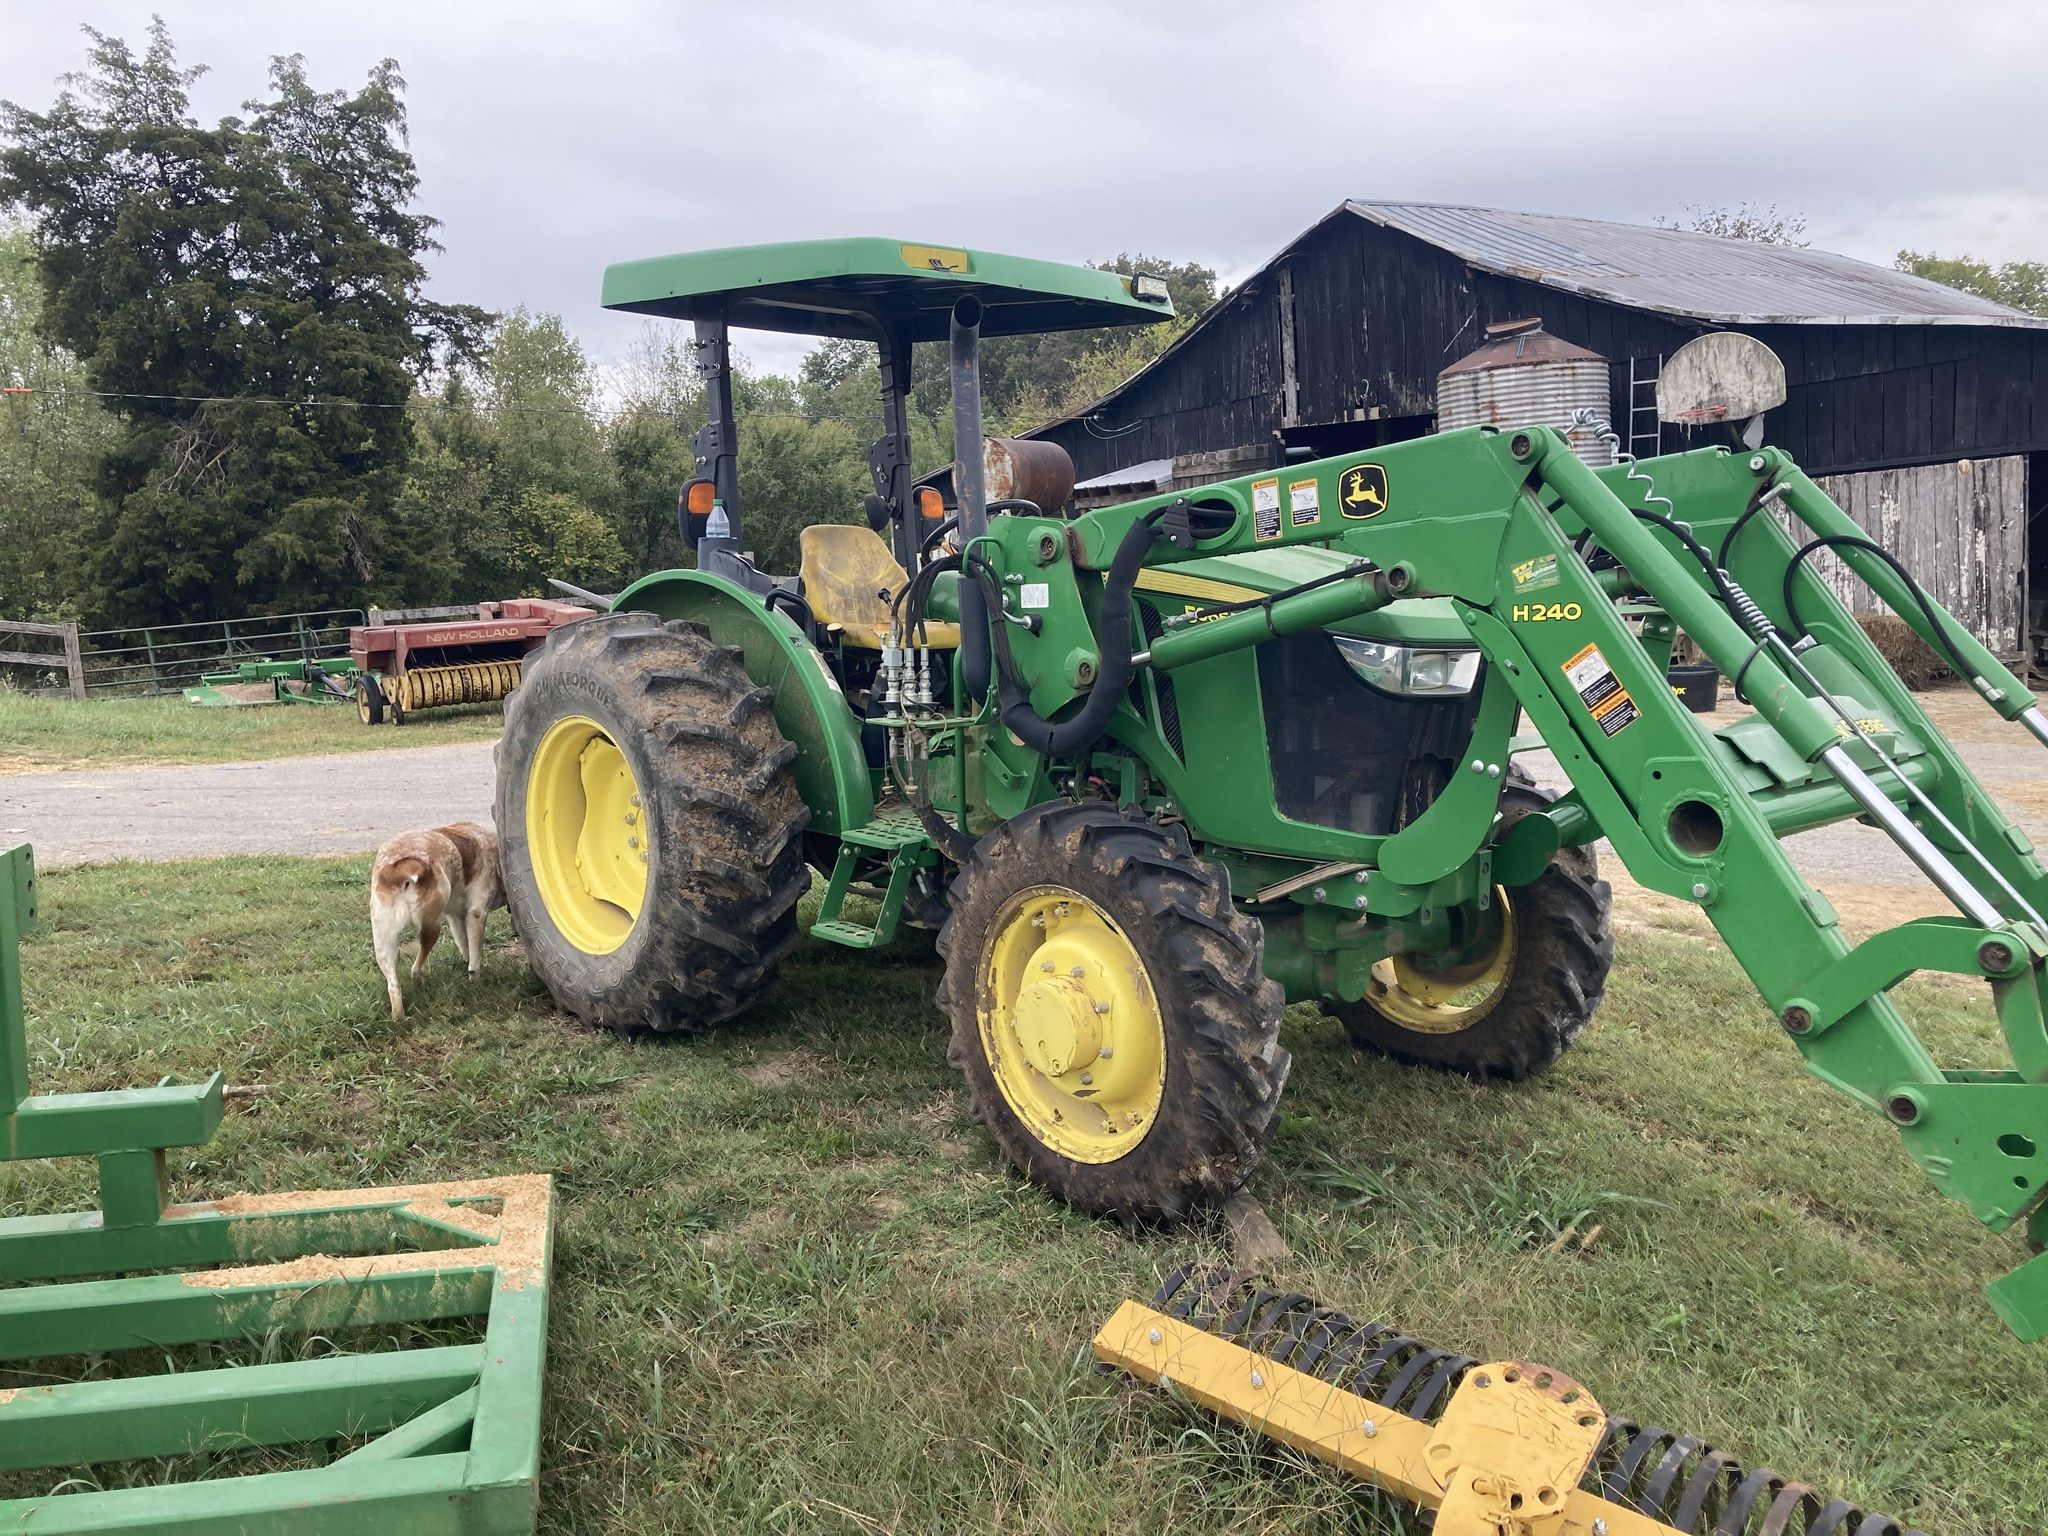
point(1722, 376)
point(693, 510)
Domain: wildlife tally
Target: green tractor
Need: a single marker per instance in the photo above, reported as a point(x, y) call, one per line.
point(1155, 771)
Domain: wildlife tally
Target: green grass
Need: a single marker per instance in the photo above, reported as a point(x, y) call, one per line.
point(795, 1291)
point(40, 734)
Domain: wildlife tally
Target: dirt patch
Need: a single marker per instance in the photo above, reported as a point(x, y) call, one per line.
point(741, 1234)
point(516, 1234)
point(14, 764)
point(1863, 908)
point(778, 1069)
point(1960, 715)
point(2030, 796)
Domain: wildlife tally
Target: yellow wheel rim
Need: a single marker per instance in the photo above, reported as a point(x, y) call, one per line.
point(1445, 999)
point(586, 835)
point(1070, 1025)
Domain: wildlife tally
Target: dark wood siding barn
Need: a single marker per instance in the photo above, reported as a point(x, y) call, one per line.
point(1337, 343)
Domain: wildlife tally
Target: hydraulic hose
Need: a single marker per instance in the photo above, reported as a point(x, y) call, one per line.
point(1113, 664)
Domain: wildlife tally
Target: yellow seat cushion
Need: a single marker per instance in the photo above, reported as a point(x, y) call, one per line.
point(846, 567)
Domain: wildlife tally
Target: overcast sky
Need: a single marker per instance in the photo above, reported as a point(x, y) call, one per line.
point(556, 136)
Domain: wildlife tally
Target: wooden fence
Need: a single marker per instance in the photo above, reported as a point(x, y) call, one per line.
point(67, 659)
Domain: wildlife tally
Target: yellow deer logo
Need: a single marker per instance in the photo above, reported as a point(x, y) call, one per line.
point(1364, 492)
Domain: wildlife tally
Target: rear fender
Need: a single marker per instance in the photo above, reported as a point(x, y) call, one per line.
point(810, 709)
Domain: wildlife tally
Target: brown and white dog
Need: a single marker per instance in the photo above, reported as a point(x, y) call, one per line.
point(421, 879)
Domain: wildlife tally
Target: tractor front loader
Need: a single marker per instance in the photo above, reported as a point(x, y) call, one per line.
point(1157, 770)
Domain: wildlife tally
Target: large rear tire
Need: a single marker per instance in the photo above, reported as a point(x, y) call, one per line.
point(649, 825)
point(1513, 1008)
point(1109, 1012)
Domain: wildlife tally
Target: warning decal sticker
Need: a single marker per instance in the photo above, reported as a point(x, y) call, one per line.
point(1266, 509)
point(1304, 502)
point(1618, 711)
point(1600, 690)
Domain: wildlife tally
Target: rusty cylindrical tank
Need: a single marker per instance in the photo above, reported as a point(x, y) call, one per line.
point(1525, 377)
point(1023, 469)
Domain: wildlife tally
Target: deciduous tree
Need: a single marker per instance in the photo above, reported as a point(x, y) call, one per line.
point(2021, 284)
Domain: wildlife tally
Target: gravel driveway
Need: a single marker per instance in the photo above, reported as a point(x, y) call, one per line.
point(350, 802)
point(347, 802)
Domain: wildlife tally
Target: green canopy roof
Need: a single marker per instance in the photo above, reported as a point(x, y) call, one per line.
point(843, 287)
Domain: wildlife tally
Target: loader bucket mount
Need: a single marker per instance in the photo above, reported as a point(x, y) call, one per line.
point(115, 1323)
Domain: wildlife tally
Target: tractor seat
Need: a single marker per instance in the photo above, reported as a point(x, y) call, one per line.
point(845, 568)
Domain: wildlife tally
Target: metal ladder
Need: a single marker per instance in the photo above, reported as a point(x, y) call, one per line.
point(1645, 433)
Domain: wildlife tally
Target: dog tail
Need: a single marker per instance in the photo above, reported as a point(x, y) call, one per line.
point(401, 874)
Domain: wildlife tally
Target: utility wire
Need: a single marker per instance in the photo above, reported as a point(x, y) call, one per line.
point(599, 415)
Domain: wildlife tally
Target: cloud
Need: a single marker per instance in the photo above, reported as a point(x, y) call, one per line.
point(555, 138)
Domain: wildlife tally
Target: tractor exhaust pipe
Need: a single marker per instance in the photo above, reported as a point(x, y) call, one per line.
point(970, 488)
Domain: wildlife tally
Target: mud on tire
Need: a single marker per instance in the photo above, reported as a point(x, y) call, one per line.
point(722, 817)
point(1220, 1014)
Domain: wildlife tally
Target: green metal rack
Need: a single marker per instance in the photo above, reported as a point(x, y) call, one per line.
point(400, 1437)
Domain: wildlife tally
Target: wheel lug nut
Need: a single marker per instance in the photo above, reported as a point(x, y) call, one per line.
point(1078, 972)
point(1102, 1008)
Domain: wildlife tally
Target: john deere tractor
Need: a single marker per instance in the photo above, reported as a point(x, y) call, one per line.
point(1157, 770)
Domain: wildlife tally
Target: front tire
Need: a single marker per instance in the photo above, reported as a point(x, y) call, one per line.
point(649, 825)
point(1109, 1011)
point(1514, 1009)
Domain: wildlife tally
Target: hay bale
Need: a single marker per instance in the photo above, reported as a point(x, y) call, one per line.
point(1910, 656)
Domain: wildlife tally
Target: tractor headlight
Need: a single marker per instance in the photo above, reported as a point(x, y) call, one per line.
point(1149, 287)
point(1409, 671)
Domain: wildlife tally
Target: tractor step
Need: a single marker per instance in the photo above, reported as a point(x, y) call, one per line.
point(852, 935)
point(887, 851)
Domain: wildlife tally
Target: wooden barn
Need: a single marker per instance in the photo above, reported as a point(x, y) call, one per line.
point(1926, 408)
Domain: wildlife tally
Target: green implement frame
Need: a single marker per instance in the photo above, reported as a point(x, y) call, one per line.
point(113, 1323)
point(324, 682)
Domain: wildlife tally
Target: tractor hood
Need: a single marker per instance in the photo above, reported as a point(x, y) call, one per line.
point(1233, 578)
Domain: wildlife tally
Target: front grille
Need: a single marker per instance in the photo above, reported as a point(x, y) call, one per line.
point(1162, 684)
point(1345, 755)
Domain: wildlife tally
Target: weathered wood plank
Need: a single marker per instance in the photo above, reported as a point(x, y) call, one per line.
point(1960, 528)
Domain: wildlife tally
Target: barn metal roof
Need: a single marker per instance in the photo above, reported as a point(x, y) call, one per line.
point(1150, 475)
point(1677, 272)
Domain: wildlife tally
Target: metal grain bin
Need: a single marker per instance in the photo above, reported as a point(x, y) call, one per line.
point(1523, 377)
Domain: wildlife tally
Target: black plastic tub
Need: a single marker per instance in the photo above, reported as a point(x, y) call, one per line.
point(1698, 688)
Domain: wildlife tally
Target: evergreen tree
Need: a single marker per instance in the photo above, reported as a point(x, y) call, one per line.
point(249, 295)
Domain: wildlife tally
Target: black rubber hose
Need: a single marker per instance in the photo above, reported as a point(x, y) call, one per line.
point(1113, 669)
point(1949, 648)
point(952, 842)
point(938, 533)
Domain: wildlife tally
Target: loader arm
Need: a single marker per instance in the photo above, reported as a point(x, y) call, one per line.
point(1511, 527)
